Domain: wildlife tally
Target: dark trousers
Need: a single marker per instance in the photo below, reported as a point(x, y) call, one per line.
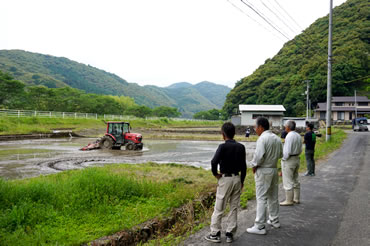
point(310, 161)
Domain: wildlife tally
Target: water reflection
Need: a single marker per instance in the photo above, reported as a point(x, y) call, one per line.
point(64, 154)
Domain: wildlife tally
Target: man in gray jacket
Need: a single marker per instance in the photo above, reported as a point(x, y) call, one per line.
point(290, 165)
point(268, 151)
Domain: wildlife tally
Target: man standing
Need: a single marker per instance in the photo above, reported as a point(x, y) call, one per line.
point(310, 141)
point(290, 164)
point(268, 151)
point(231, 158)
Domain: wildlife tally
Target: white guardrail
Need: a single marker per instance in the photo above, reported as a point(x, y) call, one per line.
point(75, 115)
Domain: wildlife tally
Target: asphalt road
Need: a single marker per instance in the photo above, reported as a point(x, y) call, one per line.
point(334, 207)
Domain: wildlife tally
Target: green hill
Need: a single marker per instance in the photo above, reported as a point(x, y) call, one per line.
point(56, 72)
point(280, 79)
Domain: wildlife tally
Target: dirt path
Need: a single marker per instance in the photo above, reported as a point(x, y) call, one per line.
point(334, 209)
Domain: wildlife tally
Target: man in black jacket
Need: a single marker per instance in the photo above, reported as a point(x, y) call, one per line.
point(230, 156)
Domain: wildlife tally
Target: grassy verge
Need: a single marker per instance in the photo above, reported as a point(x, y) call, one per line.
point(78, 206)
point(27, 125)
point(74, 207)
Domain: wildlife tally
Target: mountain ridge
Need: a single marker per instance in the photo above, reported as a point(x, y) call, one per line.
point(53, 72)
point(280, 80)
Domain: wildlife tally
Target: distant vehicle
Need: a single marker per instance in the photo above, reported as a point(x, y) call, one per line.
point(360, 124)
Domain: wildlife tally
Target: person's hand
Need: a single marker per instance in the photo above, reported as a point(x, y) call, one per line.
point(242, 187)
point(218, 176)
point(254, 170)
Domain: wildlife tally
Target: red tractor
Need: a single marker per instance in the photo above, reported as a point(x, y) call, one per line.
point(118, 134)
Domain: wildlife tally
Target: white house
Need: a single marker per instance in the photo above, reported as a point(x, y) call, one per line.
point(250, 112)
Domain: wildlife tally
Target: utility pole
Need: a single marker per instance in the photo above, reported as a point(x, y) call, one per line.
point(355, 105)
point(307, 99)
point(328, 92)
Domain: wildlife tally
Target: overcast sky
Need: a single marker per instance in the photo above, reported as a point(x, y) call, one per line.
point(158, 42)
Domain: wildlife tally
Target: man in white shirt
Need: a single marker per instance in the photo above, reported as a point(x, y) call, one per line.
point(268, 151)
point(290, 164)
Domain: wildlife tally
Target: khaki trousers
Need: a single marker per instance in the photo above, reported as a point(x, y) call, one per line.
point(290, 169)
point(267, 191)
point(228, 190)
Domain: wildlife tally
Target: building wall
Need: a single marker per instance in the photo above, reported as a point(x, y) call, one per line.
point(248, 120)
point(236, 120)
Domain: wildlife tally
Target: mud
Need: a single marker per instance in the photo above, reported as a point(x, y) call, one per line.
point(63, 154)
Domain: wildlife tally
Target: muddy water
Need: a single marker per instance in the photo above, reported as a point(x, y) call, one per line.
point(29, 158)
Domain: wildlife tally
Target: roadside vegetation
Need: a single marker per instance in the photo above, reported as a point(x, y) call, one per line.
point(74, 207)
point(28, 125)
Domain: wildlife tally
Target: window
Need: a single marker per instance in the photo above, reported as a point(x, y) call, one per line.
point(338, 104)
point(340, 115)
point(322, 115)
point(255, 116)
point(363, 104)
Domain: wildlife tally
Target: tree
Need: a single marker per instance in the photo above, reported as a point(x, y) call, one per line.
point(163, 111)
point(139, 111)
point(213, 114)
point(10, 90)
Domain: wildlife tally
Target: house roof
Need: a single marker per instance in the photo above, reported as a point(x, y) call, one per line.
point(322, 107)
point(264, 108)
point(350, 99)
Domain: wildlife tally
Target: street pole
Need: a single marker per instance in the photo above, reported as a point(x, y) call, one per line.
point(307, 98)
point(328, 92)
point(355, 105)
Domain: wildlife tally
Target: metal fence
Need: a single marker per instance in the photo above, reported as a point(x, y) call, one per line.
point(75, 115)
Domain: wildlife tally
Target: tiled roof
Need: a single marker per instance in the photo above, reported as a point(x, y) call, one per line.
point(350, 99)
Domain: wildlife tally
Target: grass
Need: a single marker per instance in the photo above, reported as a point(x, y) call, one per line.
point(78, 206)
point(27, 125)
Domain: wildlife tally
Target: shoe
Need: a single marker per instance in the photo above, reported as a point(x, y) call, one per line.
point(289, 198)
point(255, 230)
point(229, 237)
point(214, 238)
point(312, 174)
point(306, 174)
point(274, 224)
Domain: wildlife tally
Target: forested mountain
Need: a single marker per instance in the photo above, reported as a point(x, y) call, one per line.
point(280, 79)
point(56, 72)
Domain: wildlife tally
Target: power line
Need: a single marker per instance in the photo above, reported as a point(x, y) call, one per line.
point(304, 36)
point(288, 14)
point(264, 15)
point(277, 16)
point(347, 82)
point(268, 22)
point(272, 5)
point(255, 20)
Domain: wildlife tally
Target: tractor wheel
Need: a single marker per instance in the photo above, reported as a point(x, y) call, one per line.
point(130, 146)
point(106, 143)
point(138, 147)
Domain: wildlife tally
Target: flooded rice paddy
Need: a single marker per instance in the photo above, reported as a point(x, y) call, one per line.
point(30, 158)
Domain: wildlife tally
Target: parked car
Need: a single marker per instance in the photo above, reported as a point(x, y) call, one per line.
point(360, 124)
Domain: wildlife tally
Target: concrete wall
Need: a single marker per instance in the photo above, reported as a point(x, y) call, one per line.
point(236, 120)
